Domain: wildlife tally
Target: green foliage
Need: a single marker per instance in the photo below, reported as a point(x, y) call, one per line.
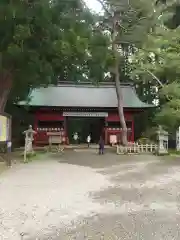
point(157, 63)
point(159, 55)
point(144, 140)
point(173, 9)
point(169, 116)
point(43, 41)
point(134, 20)
point(46, 41)
point(151, 133)
point(99, 56)
point(171, 91)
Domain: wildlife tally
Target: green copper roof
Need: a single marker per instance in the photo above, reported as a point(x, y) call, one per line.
point(84, 96)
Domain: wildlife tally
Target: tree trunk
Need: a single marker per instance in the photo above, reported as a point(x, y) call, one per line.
point(5, 88)
point(118, 86)
point(120, 107)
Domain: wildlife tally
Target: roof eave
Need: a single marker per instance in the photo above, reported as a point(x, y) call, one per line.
point(131, 107)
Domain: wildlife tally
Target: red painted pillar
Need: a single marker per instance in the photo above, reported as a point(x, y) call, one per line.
point(132, 134)
point(105, 132)
point(106, 135)
point(65, 130)
point(35, 126)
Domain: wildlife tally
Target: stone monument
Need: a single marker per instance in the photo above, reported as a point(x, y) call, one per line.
point(163, 141)
point(29, 137)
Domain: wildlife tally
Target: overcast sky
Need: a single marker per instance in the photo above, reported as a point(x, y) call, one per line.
point(94, 5)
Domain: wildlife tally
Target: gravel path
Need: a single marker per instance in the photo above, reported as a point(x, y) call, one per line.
point(40, 196)
point(86, 196)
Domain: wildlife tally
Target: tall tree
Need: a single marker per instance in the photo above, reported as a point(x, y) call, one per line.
point(41, 41)
point(127, 23)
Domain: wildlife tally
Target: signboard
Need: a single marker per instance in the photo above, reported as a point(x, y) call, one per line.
point(85, 114)
point(113, 139)
point(5, 128)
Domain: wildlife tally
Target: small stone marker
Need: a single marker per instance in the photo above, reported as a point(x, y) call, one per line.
point(29, 137)
point(163, 141)
point(178, 139)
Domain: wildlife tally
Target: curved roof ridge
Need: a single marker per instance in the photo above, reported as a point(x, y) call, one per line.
point(88, 86)
point(90, 83)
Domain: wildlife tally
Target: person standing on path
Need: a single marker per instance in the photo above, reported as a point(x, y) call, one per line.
point(101, 146)
point(9, 145)
point(76, 137)
point(88, 140)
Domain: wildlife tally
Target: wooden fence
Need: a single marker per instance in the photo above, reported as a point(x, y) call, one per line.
point(137, 148)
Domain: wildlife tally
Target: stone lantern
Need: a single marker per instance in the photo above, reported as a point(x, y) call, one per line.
point(163, 141)
point(29, 137)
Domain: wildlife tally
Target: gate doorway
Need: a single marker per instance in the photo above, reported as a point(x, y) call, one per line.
point(85, 126)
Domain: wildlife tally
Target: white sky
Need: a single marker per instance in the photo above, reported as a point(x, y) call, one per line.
point(94, 5)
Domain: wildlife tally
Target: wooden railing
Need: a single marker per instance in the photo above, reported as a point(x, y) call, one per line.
point(137, 148)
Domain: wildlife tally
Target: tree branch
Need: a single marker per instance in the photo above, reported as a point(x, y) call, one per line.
point(105, 8)
point(154, 76)
point(157, 79)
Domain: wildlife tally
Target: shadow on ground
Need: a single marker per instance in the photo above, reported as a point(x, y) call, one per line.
point(94, 160)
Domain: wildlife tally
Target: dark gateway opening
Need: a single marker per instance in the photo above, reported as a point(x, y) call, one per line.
point(85, 126)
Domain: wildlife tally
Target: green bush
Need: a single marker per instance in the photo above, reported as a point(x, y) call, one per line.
point(144, 140)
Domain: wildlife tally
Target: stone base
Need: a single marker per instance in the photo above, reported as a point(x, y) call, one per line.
point(162, 152)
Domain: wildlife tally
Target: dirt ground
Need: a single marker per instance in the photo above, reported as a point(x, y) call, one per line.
point(3, 167)
point(81, 195)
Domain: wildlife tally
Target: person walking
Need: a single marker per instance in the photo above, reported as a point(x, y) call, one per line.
point(88, 140)
point(101, 146)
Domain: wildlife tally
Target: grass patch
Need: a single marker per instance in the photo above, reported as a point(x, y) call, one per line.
point(174, 152)
point(36, 156)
